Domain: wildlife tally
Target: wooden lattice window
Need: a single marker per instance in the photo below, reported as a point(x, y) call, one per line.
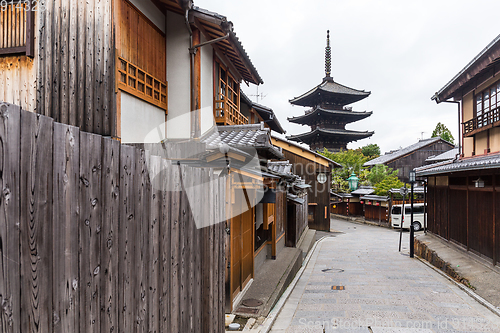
point(17, 26)
point(141, 84)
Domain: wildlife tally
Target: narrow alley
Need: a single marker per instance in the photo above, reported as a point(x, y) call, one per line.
point(358, 281)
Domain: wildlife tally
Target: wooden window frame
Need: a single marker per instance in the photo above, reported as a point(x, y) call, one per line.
point(490, 108)
point(29, 48)
point(222, 100)
point(141, 84)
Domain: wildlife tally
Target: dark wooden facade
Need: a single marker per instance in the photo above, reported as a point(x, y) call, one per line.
point(296, 221)
point(307, 166)
point(416, 158)
point(466, 215)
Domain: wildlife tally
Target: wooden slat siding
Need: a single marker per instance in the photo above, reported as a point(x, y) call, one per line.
point(221, 203)
point(141, 240)
point(127, 266)
point(175, 217)
point(90, 223)
point(10, 122)
point(192, 174)
point(77, 48)
point(154, 288)
point(205, 264)
point(36, 223)
point(65, 283)
point(110, 235)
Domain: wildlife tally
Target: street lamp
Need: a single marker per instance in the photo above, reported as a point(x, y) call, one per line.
point(353, 181)
point(412, 231)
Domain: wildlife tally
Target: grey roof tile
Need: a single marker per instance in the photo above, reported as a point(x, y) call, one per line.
point(464, 164)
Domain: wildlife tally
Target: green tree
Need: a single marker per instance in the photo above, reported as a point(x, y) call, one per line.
point(372, 150)
point(352, 160)
point(380, 172)
point(383, 187)
point(442, 131)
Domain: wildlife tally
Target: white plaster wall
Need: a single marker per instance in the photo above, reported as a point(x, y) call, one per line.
point(151, 11)
point(207, 88)
point(178, 77)
point(141, 122)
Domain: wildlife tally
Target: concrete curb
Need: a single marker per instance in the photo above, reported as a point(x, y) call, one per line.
point(472, 294)
point(271, 318)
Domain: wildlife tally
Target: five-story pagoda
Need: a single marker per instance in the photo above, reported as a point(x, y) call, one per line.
point(329, 114)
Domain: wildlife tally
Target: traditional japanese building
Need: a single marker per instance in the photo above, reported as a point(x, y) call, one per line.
point(329, 114)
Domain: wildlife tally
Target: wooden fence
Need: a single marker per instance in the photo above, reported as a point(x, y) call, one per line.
point(89, 243)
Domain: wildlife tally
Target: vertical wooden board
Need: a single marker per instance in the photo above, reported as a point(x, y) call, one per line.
point(10, 135)
point(198, 205)
point(205, 263)
point(108, 74)
point(184, 252)
point(80, 63)
point(72, 84)
point(222, 256)
point(126, 238)
point(142, 237)
point(153, 245)
point(89, 66)
point(36, 222)
point(175, 245)
point(110, 237)
point(46, 64)
point(65, 284)
point(64, 94)
point(90, 230)
point(165, 250)
point(57, 53)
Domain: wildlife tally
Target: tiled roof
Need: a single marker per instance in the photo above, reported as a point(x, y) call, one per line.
point(375, 198)
point(281, 167)
point(355, 115)
point(464, 164)
point(364, 190)
point(448, 155)
point(401, 152)
point(333, 89)
point(335, 164)
point(243, 137)
point(332, 132)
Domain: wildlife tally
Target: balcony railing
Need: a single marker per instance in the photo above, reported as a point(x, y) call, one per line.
point(482, 122)
point(226, 113)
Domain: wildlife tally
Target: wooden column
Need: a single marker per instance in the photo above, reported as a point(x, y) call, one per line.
point(196, 102)
point(494, 222)
point(467, 233)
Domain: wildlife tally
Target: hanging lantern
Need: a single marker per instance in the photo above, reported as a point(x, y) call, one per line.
point(353, 182)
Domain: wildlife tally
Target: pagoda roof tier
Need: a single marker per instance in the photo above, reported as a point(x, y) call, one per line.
point(344, 116)
point(345, 135)
point(330, 92)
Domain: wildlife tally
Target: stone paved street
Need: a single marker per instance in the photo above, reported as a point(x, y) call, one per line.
point(383, 290)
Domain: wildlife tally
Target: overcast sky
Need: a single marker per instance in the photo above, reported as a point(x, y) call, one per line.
point(402, 51)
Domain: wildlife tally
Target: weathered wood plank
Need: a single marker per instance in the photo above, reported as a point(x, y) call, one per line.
point(65, 284)
point(108, 74)
point(127, 235)
point(64, 32)
point(184, 249)
point(90, 230)
point(142, 237)
point(80, 64)
point(10, 129)
point(165, 249)
point(36, 222)
point(175, 216)
point(110, 236)
point(89, 66)
point(72, 50)
point(57, 53)
point(153, 244)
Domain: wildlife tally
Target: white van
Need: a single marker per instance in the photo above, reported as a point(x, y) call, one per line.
point(418, 216)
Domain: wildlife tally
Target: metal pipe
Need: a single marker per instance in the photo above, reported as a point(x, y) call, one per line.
point(209, 42)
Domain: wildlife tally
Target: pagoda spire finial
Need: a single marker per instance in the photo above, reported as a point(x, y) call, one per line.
point(328, 55)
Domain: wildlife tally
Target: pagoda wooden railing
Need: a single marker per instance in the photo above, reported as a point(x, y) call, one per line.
point(482, 122)
point(226, 113)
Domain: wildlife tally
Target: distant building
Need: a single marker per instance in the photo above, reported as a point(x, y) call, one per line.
point(329, 115)
point(411, 157)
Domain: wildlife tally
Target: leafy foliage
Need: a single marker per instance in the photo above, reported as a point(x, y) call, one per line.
point(442, 131)
point(380, 172)
point(352, 160)
point(372, 150)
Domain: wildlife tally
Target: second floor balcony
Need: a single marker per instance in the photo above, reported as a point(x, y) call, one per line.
point(227, 113)
point(482, 122)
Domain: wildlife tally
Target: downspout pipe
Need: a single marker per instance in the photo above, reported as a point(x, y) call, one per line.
point(436, 98)
point(195, 131)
